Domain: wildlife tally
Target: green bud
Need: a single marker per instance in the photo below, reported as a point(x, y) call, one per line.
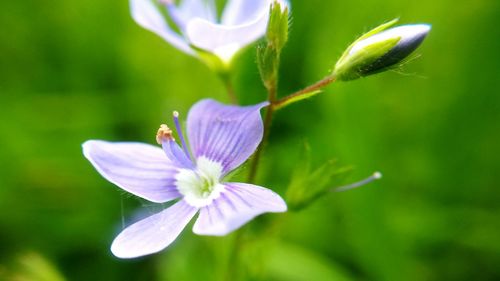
point(379, 50)
point(268, 55)
point(277, 27)
point(268, 61)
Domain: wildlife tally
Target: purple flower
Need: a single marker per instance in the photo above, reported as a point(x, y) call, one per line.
point(221, 138)
point(194, 23)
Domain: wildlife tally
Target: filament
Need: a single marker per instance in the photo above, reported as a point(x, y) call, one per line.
point(179, 132)
point(375, 176)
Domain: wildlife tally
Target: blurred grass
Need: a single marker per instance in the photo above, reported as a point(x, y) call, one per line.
point(72, 71)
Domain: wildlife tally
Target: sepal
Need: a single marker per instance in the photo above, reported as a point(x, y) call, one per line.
point(309, 184)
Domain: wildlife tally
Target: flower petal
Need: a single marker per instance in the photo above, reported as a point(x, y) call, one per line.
point(236, 205)
point(138, 168)
point(411, 37)
point(239, 12)
point(226, 134)
point(189, 9)
point(153, 233)
point(224, 40)
point(146, 14)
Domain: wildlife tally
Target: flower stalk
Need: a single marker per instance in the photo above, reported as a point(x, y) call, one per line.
point(305, 93)
point(268, 58)
point(268, 119)
point(228, 84)
point(277, 104)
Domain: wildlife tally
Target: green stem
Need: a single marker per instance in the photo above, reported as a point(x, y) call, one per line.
point(313, 88)
point(276, 104)
point(225, 77)
point(268, 119)
point(234, 257)
point(230, 91)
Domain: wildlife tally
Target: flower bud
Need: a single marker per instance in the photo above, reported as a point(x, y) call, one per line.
point(379, 50)
point(268, 56)
point(278, 25)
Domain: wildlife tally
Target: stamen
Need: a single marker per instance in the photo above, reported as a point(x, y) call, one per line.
point(164, 133)
point(174, 152)
point(179, 132)
point(375, 176)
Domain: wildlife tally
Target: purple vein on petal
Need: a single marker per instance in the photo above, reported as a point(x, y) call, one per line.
point(229, 202)
point(215, 205)
point(225, 134)
point(235, 193)
point(231, 131)
point(122, 164)
point(209, 214)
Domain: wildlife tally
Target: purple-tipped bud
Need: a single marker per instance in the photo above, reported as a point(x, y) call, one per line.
point(380, 49)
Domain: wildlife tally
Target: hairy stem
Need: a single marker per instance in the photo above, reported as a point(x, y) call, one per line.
point(312, 88)
point(268, 119)
point(276, 104)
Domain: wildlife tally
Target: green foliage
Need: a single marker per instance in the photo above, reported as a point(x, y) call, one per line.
point(272, 259)
point(308, 184)
point(31, 267)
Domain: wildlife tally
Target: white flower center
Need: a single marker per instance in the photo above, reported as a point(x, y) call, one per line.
point(201, 186)
point(226, 53)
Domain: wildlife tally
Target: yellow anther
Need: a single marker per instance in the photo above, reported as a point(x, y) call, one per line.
point(164, 133)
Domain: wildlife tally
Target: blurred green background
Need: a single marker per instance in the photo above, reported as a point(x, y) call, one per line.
point(77, 70)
